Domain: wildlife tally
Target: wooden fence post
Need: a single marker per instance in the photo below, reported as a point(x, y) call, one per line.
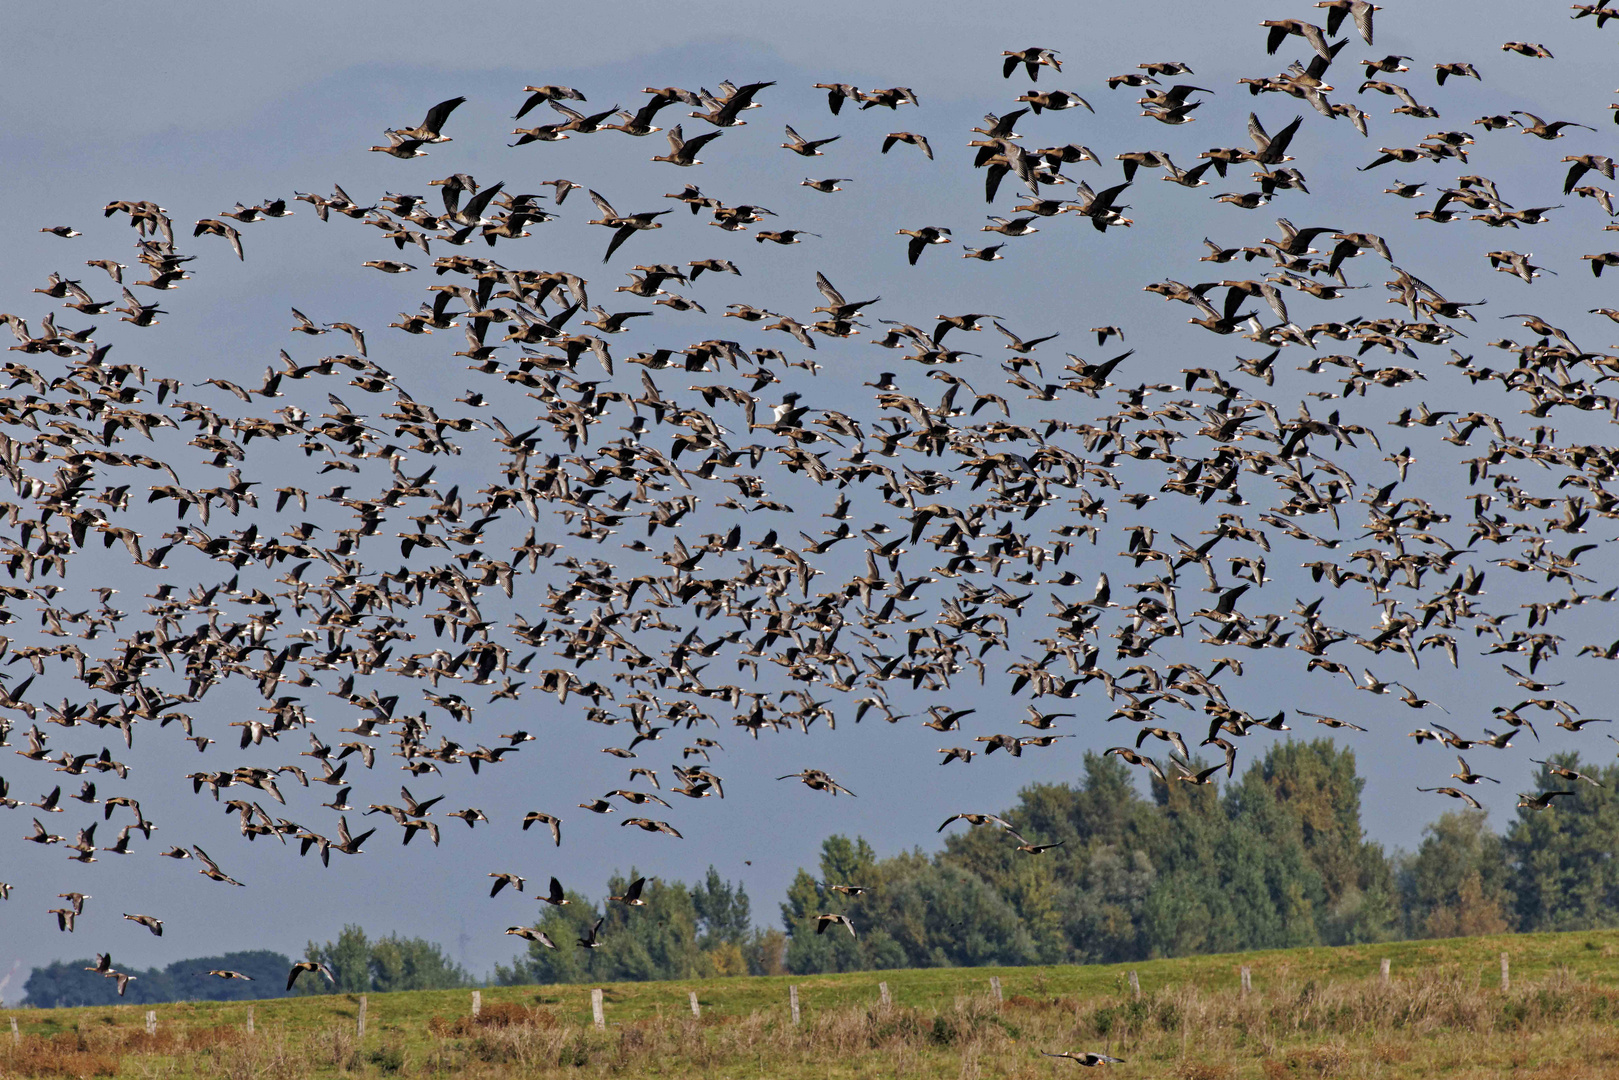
point(477, 1003)
point(1506, 982)
point(1135, 985)
point(359, 1025)
point(1383, 970)
point(596, 1014)
point(250, 1019)
point(696, 1009)
point(151, 1022)
point(792, 999)
point(882, 988)
point(16, 1036)
point(1247, 981)
point(995, 988)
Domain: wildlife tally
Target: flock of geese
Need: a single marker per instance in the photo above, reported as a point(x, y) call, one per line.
point(974, 518)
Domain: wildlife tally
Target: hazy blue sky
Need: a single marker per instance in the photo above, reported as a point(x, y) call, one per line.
point(197, 108)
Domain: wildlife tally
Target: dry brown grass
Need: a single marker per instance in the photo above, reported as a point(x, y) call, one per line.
point(1440, 1023)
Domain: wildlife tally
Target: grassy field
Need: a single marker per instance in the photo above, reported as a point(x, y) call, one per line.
point(1311, 1012)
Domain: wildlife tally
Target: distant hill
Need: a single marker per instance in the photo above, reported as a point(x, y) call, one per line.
point(68, 983)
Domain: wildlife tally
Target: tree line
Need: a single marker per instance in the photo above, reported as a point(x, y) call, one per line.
point(358, 963)
point(1275, 858)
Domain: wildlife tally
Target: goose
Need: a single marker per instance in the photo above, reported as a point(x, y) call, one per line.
point(1457, 69)
point(890, 98)
point(553, 822)
point(977, 819)
point(1089, 1059)
point(538, 95)
point(1359, 10)
point(639, 798)
point(219, 228)
point(428, 131)
point(921, 238)
point(400, 146)
point(1033, 59)
point(1018, 226)
point(155, 925)
point(1281, 28)
point(502, 880)
point(806, 147)
point(816, 780)
point(632, 895)
point(1055, 100)
point(532, 933)
point(683, 151)
point(1542, 130)
point(1455, 793)
point(555, 896)
point(309, 965)
point(824, 921)
point(648, 825)
point(837, 94)
point(911, 137)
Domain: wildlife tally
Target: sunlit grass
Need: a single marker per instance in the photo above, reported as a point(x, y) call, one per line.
point(1312, 1012)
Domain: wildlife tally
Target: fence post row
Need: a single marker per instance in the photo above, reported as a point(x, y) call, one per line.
point(359, 1026)
point(1506, 982)
point(477, 1003)
point(1384, 969)
point(696, 1009)
point(1135, 985)
point(1247, 980)
point(995, 988)
point(596, 1013)
point(882, 988)
point(792, 998)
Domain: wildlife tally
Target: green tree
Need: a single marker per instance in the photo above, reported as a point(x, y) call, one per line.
point(843, 862)
point(348, 959)
point(359, 964)
point(655, 941)
point(1456, 884)
point(1317, 789)
point(1565, 876)
point(723, 911)
point(266, 969)
point(398, 963)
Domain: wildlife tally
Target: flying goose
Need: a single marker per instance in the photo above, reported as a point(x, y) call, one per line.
point(911, 137)
point(502, 880)
point(806, 147)
point(555, 824)
point(532, 933)
point(428, 130)
point(824, 921)
point(632, 894)
point(309, 965)
point(1089, 1059)
point(921, 238)
point(155, 925)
